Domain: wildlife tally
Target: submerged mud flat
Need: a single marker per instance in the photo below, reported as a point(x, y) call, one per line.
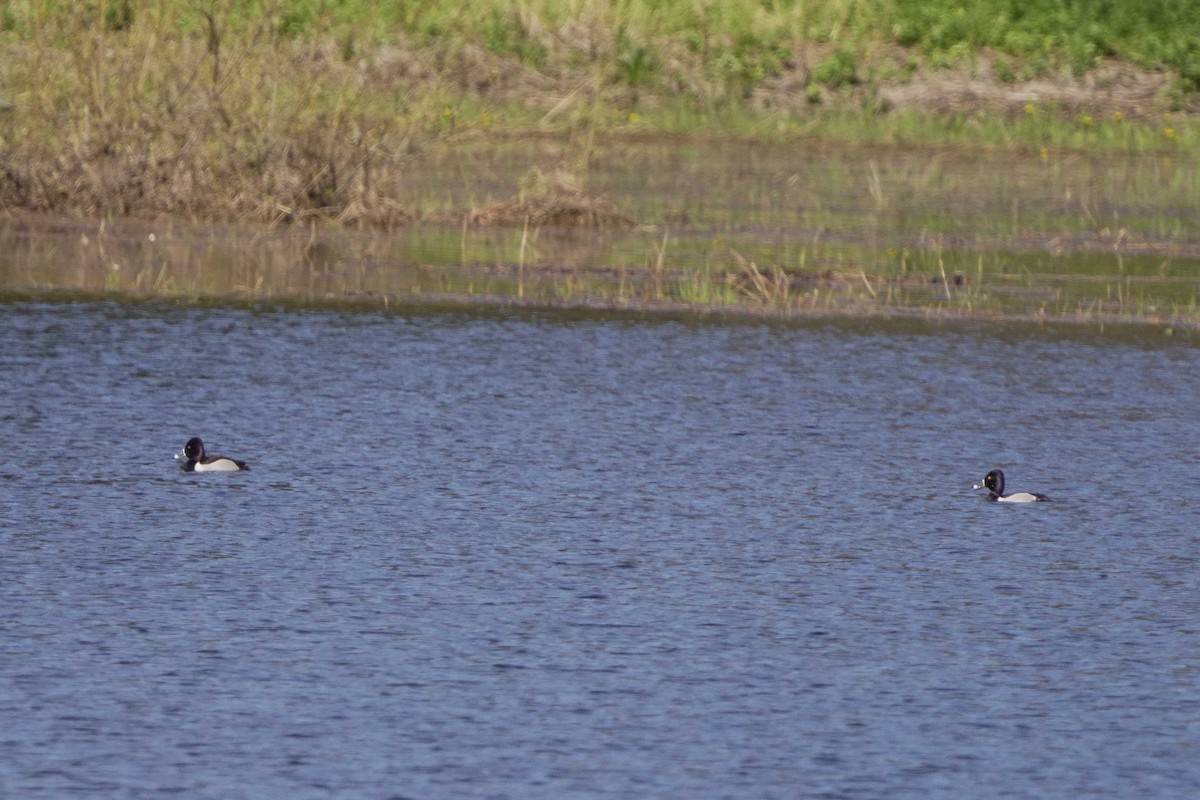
point(789, 229)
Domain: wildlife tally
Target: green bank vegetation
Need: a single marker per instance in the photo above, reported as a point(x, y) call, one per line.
point(278, 110)
point(318, 116)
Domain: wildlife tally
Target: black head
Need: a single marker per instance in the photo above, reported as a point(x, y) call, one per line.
point(194, 449)
point(994, 482)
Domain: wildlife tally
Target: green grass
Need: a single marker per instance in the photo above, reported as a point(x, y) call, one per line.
point(285, 111)
point(1156, 33)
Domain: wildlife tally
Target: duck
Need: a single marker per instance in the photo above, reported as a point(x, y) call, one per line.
point(196, 460)
point(994, 483)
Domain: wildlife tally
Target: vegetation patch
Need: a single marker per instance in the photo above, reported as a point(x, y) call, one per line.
point(558, 202)
point(332, 118)
point(293, 110)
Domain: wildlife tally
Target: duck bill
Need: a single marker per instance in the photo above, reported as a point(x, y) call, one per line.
point(973, 485)
point(180, 456)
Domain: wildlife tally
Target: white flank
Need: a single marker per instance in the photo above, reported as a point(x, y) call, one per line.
point(220, 465)
point(1018, 497)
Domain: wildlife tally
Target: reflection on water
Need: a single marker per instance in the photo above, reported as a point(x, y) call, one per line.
point(770, 225)
point(546, 555)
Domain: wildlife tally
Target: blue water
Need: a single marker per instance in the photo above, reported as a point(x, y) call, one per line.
point(544, 556)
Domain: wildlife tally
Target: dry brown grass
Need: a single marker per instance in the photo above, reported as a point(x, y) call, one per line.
point(143, 124)
point(560, 202)
point(250, 127)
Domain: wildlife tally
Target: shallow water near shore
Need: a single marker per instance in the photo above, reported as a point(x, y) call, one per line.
point(549, 555)
point(792, 228)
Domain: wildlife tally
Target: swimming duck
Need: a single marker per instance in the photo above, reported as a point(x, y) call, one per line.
point(195, 460)
point(994, 483)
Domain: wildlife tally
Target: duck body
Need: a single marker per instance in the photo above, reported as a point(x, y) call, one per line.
point(994, 483)
point(196, 460)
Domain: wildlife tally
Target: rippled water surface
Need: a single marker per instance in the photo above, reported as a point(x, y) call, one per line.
point(529, 556)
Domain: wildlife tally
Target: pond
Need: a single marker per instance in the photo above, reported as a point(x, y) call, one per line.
point(555, 554)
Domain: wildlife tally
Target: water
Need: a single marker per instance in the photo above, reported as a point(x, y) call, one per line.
point(551, 556)
point(975, 235)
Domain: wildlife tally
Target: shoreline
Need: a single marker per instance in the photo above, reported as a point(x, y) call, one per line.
point(655, 227)
point(1088, 324)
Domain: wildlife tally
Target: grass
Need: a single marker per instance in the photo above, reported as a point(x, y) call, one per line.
point(282, 111)
point(310, 117)
point(1153, 34)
